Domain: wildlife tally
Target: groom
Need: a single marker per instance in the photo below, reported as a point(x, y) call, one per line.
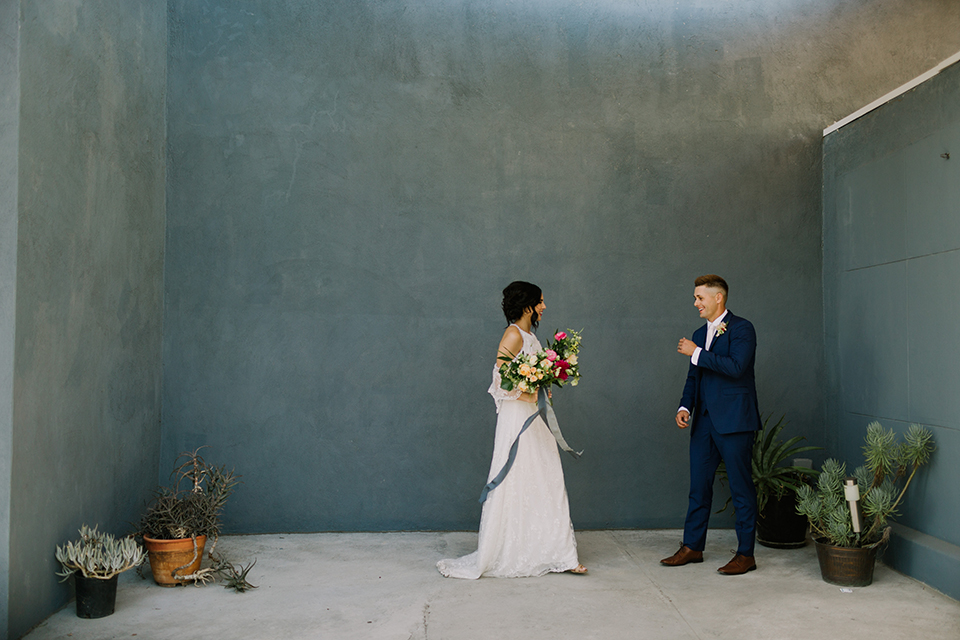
point(719, 405)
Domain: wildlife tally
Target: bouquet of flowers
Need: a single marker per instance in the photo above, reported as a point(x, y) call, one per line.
point(557, 364)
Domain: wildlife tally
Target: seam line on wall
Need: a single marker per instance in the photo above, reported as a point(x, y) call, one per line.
point(883, 264)
point(923, 77)
point(878, 418)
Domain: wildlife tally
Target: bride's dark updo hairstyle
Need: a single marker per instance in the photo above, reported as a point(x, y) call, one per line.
point(519, 296)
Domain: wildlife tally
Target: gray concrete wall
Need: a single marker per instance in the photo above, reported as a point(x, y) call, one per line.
point(891, 258)
point(9, 128)
point(350, 185)
point(89, 268)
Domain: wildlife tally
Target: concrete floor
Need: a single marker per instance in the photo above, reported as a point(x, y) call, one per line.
point(384, 585)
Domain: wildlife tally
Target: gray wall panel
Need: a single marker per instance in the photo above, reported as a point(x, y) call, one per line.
point(9, 134)
point(86, 412)
point(351, 184)
point(874, 341)
point(870, 206)
point(933, 192)
point(890, 329)
point(933, 338)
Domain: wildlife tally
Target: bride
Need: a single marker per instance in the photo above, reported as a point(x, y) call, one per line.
point(525, 527)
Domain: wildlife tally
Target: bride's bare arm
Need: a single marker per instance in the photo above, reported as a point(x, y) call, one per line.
point(510, 345)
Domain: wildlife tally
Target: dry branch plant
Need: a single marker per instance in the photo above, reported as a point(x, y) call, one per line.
point(192, 507)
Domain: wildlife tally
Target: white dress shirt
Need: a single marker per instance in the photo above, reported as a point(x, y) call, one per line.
point(711, 334)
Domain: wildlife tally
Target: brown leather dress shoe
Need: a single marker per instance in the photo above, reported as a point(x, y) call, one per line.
point(684, 556)
point(739, 565)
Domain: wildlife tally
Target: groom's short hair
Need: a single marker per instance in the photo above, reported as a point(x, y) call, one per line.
point(712, 280)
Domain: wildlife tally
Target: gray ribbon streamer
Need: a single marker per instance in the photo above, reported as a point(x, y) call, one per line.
point(545, 411)
point(551, 421)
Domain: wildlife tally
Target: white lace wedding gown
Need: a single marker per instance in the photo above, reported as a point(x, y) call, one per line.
point(525, 527)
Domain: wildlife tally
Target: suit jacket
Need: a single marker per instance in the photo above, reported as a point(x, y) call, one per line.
point(723, 381)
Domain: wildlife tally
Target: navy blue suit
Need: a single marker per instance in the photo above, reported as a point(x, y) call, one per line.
point(721, 394)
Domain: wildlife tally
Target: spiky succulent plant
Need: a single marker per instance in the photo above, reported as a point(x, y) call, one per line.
point(98, 555)
point(771, 476)
point(883, 481)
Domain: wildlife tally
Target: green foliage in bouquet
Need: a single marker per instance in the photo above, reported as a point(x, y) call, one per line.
point(98, 555)
point(883, 481)
point(557, 364)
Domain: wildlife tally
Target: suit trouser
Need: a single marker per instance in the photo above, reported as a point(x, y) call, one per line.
point(707, 448)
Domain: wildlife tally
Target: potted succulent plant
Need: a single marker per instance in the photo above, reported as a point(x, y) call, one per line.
point(95, 561)
point(849, 521)
point(180, 519)
point(777, 483)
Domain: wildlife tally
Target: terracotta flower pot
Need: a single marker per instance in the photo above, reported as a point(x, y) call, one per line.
point(167, 556)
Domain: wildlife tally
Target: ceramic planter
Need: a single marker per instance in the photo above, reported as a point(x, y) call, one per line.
point(168, 556)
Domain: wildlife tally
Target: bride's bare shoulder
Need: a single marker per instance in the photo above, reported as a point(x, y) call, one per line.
point(512, 335)
point(511, 342)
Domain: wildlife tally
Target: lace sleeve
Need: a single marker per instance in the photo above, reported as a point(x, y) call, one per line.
point(499, 395)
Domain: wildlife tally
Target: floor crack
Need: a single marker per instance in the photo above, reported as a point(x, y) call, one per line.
point(663, 595)
point(418, 633)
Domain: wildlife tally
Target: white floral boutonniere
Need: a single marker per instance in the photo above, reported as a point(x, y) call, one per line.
point(721, 329)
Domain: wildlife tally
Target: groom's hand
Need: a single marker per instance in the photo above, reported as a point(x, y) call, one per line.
point(686, 347)
point(683, 419)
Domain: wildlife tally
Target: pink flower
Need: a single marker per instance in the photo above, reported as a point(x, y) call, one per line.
point(551, 354)
point(563, 365)
point(560, 335)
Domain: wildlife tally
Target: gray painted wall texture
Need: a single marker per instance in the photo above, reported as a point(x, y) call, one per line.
point(86, 402)
point(9, 129)
point(350, 185)
point(891, 258)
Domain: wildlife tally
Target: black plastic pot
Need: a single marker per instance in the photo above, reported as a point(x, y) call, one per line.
point(779, 525)
point(95, 598)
